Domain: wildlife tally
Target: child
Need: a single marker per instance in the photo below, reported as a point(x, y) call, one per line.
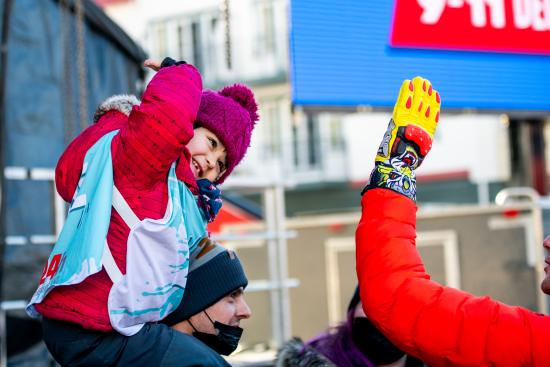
point(163, 152)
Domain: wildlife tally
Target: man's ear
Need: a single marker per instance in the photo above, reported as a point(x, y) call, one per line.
point(206, 245)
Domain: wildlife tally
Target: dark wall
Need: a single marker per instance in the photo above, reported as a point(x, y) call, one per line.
point(50, 97)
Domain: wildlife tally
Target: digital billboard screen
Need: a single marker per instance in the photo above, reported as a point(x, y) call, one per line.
point(480, 54)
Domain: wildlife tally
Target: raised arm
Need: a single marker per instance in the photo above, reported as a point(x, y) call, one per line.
point(159, 128)
point(441, 325)
point(150, 139)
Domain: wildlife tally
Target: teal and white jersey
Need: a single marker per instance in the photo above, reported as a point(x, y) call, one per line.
point(157, 256)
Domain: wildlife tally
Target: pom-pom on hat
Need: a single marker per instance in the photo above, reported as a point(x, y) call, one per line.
point(231, 114)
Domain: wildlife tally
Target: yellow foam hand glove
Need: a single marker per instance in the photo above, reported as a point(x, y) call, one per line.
point(408, 138)
point(415, 118)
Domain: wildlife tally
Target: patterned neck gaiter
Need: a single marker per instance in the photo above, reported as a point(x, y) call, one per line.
point(209, 199)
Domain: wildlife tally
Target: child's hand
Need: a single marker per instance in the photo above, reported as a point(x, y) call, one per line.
point(156, 66)
point(408, 138)
point(152, 64)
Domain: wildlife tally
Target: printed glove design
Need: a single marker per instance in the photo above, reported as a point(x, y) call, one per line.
point(408, 138)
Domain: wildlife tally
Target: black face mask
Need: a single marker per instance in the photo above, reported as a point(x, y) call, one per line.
point(372, 343)
point(225, 342)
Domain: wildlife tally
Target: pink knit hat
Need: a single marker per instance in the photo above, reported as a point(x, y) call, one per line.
point(231, 114)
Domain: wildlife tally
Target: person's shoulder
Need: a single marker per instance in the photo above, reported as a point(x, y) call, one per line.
point(122, 103)
point(197, 353)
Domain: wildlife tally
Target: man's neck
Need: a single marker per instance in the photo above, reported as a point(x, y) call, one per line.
point(183, 327)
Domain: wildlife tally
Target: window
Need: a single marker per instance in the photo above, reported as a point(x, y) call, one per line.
point(212, 46)
point(197, 47)
point(190, 37)
point(306, 142)
point(272, 129)
point(180, 43)
point(160, 39)
point(265, 39)
point(335, 138)
point(312, 140)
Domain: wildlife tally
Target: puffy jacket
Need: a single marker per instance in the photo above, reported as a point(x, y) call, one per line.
point(440, 325)
point(150, 139)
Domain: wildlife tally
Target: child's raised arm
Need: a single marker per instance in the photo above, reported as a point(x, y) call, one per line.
point(158, 129)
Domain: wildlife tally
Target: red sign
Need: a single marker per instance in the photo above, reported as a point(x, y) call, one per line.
point(521, 26)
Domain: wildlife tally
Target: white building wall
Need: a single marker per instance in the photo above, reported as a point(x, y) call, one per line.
point(134, 15)
point(477, 144)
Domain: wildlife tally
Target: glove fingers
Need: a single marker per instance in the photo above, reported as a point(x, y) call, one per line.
point(419, 97)
point(415, 118)
point(435, 102)
point(425, 106)
point(405, 92)
point(404, 101)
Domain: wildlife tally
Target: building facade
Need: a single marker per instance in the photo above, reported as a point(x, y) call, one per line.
point(323, 153)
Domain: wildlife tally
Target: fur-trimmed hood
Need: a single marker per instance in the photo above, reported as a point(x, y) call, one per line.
point(295, 354)
point(120, 102)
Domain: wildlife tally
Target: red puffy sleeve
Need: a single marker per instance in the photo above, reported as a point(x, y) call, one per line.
point(149, 140)
point(441, 325)
point(69, 165)
point(159, 128)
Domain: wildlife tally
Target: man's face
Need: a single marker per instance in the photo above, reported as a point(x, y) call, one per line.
point(229, 310)
point(208, 155)
point(545, 286)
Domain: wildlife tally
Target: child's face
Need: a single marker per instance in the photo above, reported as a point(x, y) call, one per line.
point(208, 155)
